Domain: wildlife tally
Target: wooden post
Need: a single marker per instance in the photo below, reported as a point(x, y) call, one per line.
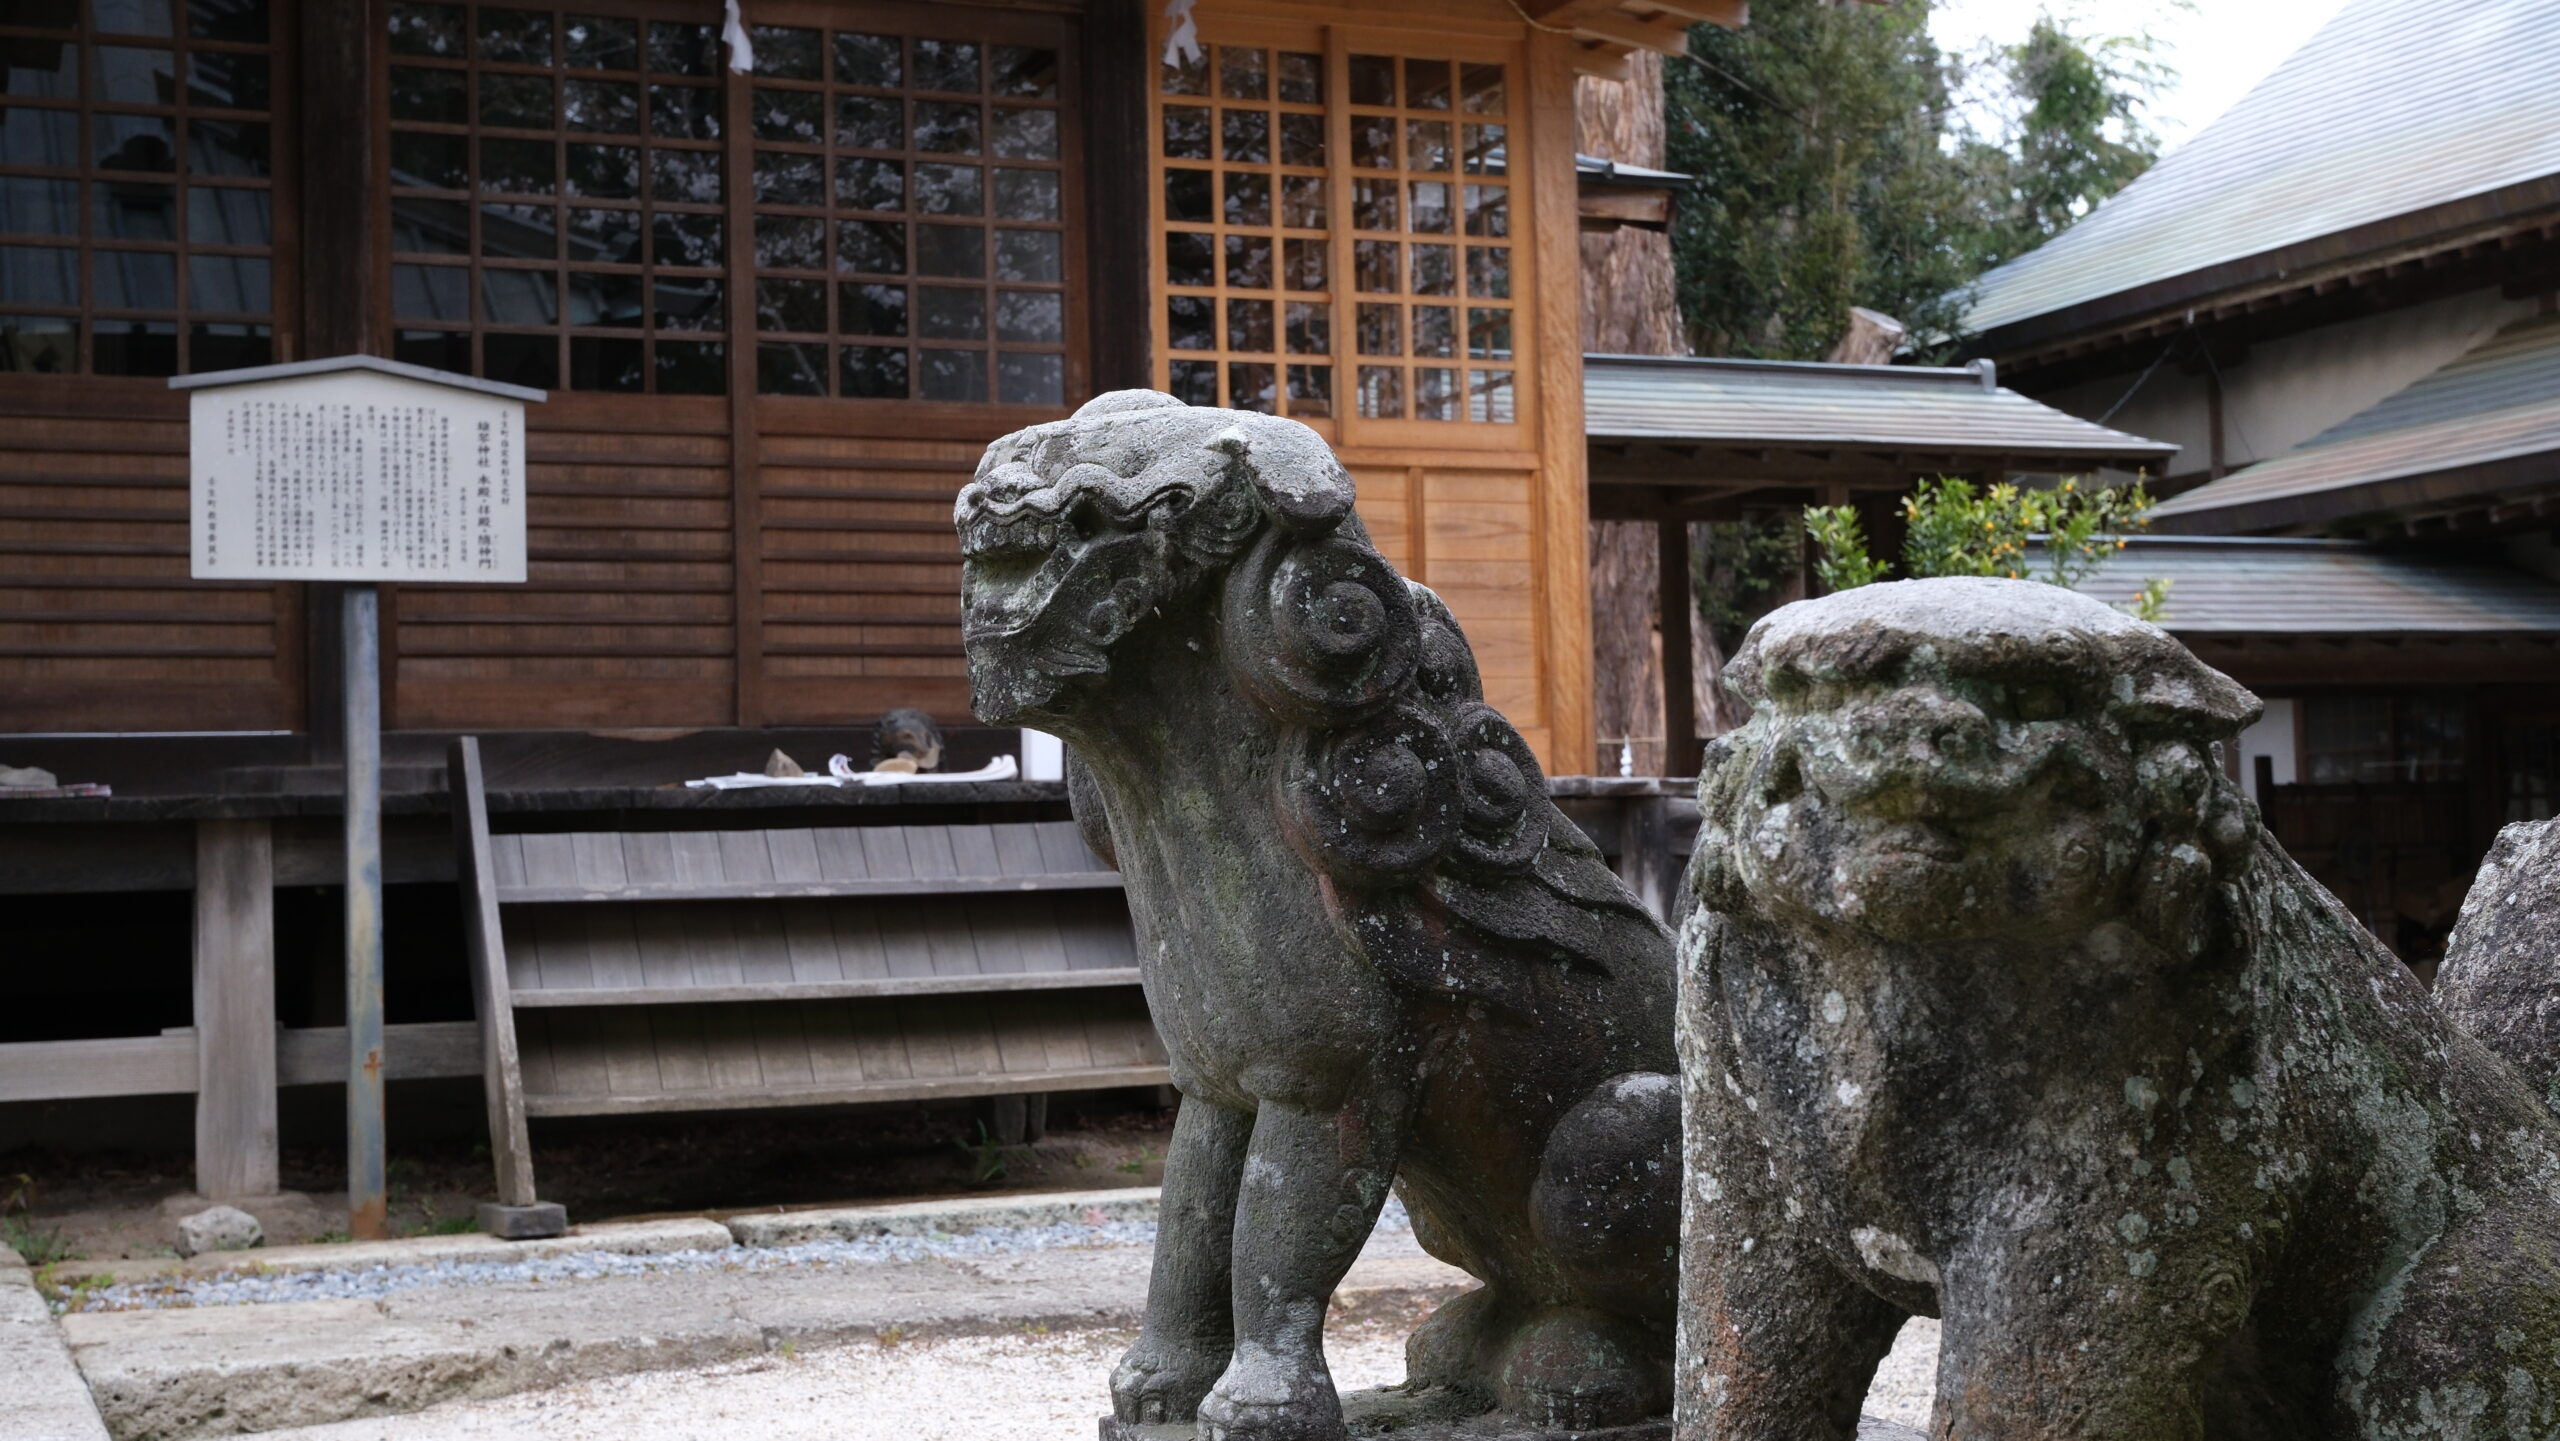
point(1679, 681)
point(2213, 419)
point(235, 1009)
point(334, 84)
point(368, 1178)
point(502, 1077)
point(1119, 72)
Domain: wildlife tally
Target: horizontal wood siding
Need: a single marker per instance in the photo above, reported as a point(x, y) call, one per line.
point(628, 617)
point(861, 577)
point(100, 626)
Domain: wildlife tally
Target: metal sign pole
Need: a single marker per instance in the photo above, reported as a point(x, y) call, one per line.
point(368, 1196)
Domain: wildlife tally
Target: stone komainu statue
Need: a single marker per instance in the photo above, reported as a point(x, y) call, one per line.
point(2501, 975)
point(1999, 1005)
point(1376, 952)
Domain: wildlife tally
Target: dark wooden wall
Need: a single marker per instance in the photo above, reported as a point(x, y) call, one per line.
point(695, 561)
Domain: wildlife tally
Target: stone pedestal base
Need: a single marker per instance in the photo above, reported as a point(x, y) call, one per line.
point(1441, 1416)
point(524, 1223)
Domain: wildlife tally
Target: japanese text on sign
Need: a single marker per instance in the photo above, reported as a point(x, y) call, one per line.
point(357, 476)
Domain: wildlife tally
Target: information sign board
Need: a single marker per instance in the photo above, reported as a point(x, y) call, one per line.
point(356, 470)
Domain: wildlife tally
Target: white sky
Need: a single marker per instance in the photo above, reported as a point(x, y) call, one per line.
point(2219, 47)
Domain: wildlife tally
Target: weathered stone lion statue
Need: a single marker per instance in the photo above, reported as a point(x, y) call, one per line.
point(1377, 953)
point(1999, 1005)
point(2501, 975)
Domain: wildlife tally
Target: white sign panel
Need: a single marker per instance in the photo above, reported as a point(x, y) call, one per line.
point(356, 475)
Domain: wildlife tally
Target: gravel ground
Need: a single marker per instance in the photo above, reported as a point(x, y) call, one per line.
point(374, 1282)
point(1004, 1388)
point(249, 1287)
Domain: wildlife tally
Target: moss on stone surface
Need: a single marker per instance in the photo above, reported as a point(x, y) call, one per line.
point(1999, 1005)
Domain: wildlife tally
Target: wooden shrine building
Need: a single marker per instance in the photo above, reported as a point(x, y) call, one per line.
point(781, 293)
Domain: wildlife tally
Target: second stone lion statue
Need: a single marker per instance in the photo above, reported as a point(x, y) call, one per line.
point(1999, 1005)
point(1376, 952)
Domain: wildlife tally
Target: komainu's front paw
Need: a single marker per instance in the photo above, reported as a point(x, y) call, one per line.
point(1268, 1397)
point(1160, 1380)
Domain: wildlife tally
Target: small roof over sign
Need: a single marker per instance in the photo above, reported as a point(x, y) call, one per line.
point(295, 369)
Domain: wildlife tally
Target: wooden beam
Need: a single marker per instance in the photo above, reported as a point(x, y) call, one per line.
point(1679, 685)
point(1119, 72)
point(1726, 14)
point(235, 1010)
point(1605, 208)
point(162, 1065)
point(1557, 13)
point(1099, 1078)
point(485, 944)
point(1614, 29)
point(1562, 549)
point(420, 1051)
point(1606, 62)
point(165, 1064)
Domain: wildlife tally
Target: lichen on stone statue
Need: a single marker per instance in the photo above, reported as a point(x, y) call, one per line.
point(2000, 1005)
point(1376, 951)
point(2501, 975)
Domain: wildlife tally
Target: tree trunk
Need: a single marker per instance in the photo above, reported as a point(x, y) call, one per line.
point(1631, 306)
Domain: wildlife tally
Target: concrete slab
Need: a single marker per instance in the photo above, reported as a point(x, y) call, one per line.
point(625, 1238)
point(926, 1218)
point(174, 1375)
point(44, 1398)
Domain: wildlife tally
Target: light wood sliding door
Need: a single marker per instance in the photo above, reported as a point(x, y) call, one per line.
point(1369, 227)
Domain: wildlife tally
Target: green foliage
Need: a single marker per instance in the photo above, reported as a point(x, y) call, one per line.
point(1814, 136)
point(1736, 567)
point(1835, 164)
point(18, 1230)
point(1840, 544)
point(985, 1156)
point(1955, 527)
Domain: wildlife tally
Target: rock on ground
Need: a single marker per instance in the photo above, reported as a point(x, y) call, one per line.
point(2501, 975)
point(219, 1228)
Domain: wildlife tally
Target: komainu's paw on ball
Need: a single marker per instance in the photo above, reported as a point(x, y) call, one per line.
point(1580, 1372)
point(1158, 1381)
point(1266, 1397)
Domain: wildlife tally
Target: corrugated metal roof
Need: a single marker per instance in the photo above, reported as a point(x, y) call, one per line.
point(1772, 402)
point(2251, 586)
point(2499, 400)
point(2394, 106)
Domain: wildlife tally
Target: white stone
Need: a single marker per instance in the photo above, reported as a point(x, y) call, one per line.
point(219, 1228)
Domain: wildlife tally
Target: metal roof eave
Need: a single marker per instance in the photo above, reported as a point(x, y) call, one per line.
point(2381, 495)
point(2301, 266)
point(1963, 411)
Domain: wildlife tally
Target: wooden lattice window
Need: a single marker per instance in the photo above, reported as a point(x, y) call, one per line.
point(557, 209)
point(1337, 233)
point(1248, 249)
point(1430, 247)
point(911, 211)
point(137, 186)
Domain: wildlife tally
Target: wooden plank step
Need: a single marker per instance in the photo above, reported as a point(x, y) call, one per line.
point(828, 990)
point(766, 1097)
point(810, 890)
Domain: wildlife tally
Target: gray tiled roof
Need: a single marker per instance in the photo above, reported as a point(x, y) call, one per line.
point(2221, 586)
point(2393, 107)
point(2500, 401)
point(1805, 403)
